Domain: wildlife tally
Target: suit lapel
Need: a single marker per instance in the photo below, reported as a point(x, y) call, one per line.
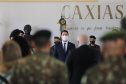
point(61, 46)
point(68, 47)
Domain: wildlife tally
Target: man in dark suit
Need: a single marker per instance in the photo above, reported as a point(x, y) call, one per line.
point(62, 49)
point(80, 59)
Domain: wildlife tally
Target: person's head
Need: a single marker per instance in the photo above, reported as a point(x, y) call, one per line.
point(11, 53)
point(82, 40)
point(21, 33)
point(25, 49)
point(92, 39)
point(64, 35)
point(14, 33)
point(27, 29)
point(114, 44)
point(56, 39)
point(123, 23)
point(41, 41)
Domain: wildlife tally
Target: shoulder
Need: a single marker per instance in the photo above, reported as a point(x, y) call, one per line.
point(72, 44)
point(97, 45)
point(58, 44)
point(99, 69)
point(24, 61)
point(52, 46)
point(55, 62)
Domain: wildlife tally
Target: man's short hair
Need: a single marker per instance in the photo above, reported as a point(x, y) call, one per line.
point(15, 33)
point(27, 27)
point(64, 31)
point(41, 38)
point(92, 37)
point(56, 37)
point(123, 23)
point(21, 31)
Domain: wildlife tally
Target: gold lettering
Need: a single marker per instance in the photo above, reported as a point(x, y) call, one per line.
point(89, 12)
point(121, 13)
point(79, 13)
point(107, 7)
point(99, 12)
point(63, 11)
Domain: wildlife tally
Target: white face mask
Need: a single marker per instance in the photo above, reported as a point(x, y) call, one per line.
point(65, 38)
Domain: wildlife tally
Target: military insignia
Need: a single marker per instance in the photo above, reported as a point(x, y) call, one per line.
point(62, 23)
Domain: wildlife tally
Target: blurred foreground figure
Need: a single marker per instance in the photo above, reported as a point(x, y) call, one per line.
point(40, 68)
point(57, 40)
point(80, 59)
point(113, 69)
point(11, 53)
point(23, 45)
point(123, 23)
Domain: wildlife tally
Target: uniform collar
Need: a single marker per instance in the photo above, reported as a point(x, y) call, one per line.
point(114, 59)
point(41, 52)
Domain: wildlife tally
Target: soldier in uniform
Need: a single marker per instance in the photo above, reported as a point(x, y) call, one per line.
point(57, 40)
point(40, 68)
point(92, 43)
point(112, 69)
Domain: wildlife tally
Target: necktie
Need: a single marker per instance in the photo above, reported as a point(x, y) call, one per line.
point(65, 47)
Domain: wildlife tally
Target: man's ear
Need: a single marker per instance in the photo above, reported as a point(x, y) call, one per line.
point(33, 44)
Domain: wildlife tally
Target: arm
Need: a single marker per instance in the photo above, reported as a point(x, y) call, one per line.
point(68, 62)
point(19, 74)
point(55, 53)
point(16, 77)
point(74, 46)
point(63, 75)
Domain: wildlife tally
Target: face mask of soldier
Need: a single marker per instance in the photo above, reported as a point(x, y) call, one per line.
point(92, 42)
point(57, 42)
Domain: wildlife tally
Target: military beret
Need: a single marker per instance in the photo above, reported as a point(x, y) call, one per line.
point(42, 34)
point(115, 30)
point(21, 31)
point(92, 37)
point(15, 33)
point(56, 37)
point(113, 35)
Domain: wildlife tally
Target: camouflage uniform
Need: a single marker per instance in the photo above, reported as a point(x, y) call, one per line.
point(97, 47)
point(52, 50)
point(111, 71)
point(39, 69)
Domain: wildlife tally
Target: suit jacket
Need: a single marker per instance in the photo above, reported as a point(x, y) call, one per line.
point(78, 61)
point(59, 52)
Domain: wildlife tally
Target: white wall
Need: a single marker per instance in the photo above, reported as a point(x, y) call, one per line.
point(45, 15)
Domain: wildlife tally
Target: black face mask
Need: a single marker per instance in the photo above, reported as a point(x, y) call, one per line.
point(92, 42)
point(56, 43)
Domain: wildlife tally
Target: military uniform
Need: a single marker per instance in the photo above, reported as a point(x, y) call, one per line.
point(97, 47)
point(52, 50)
point(111, 71)
point(39, 69)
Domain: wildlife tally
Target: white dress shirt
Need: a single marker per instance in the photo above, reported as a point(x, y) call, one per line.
point(65, 45)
